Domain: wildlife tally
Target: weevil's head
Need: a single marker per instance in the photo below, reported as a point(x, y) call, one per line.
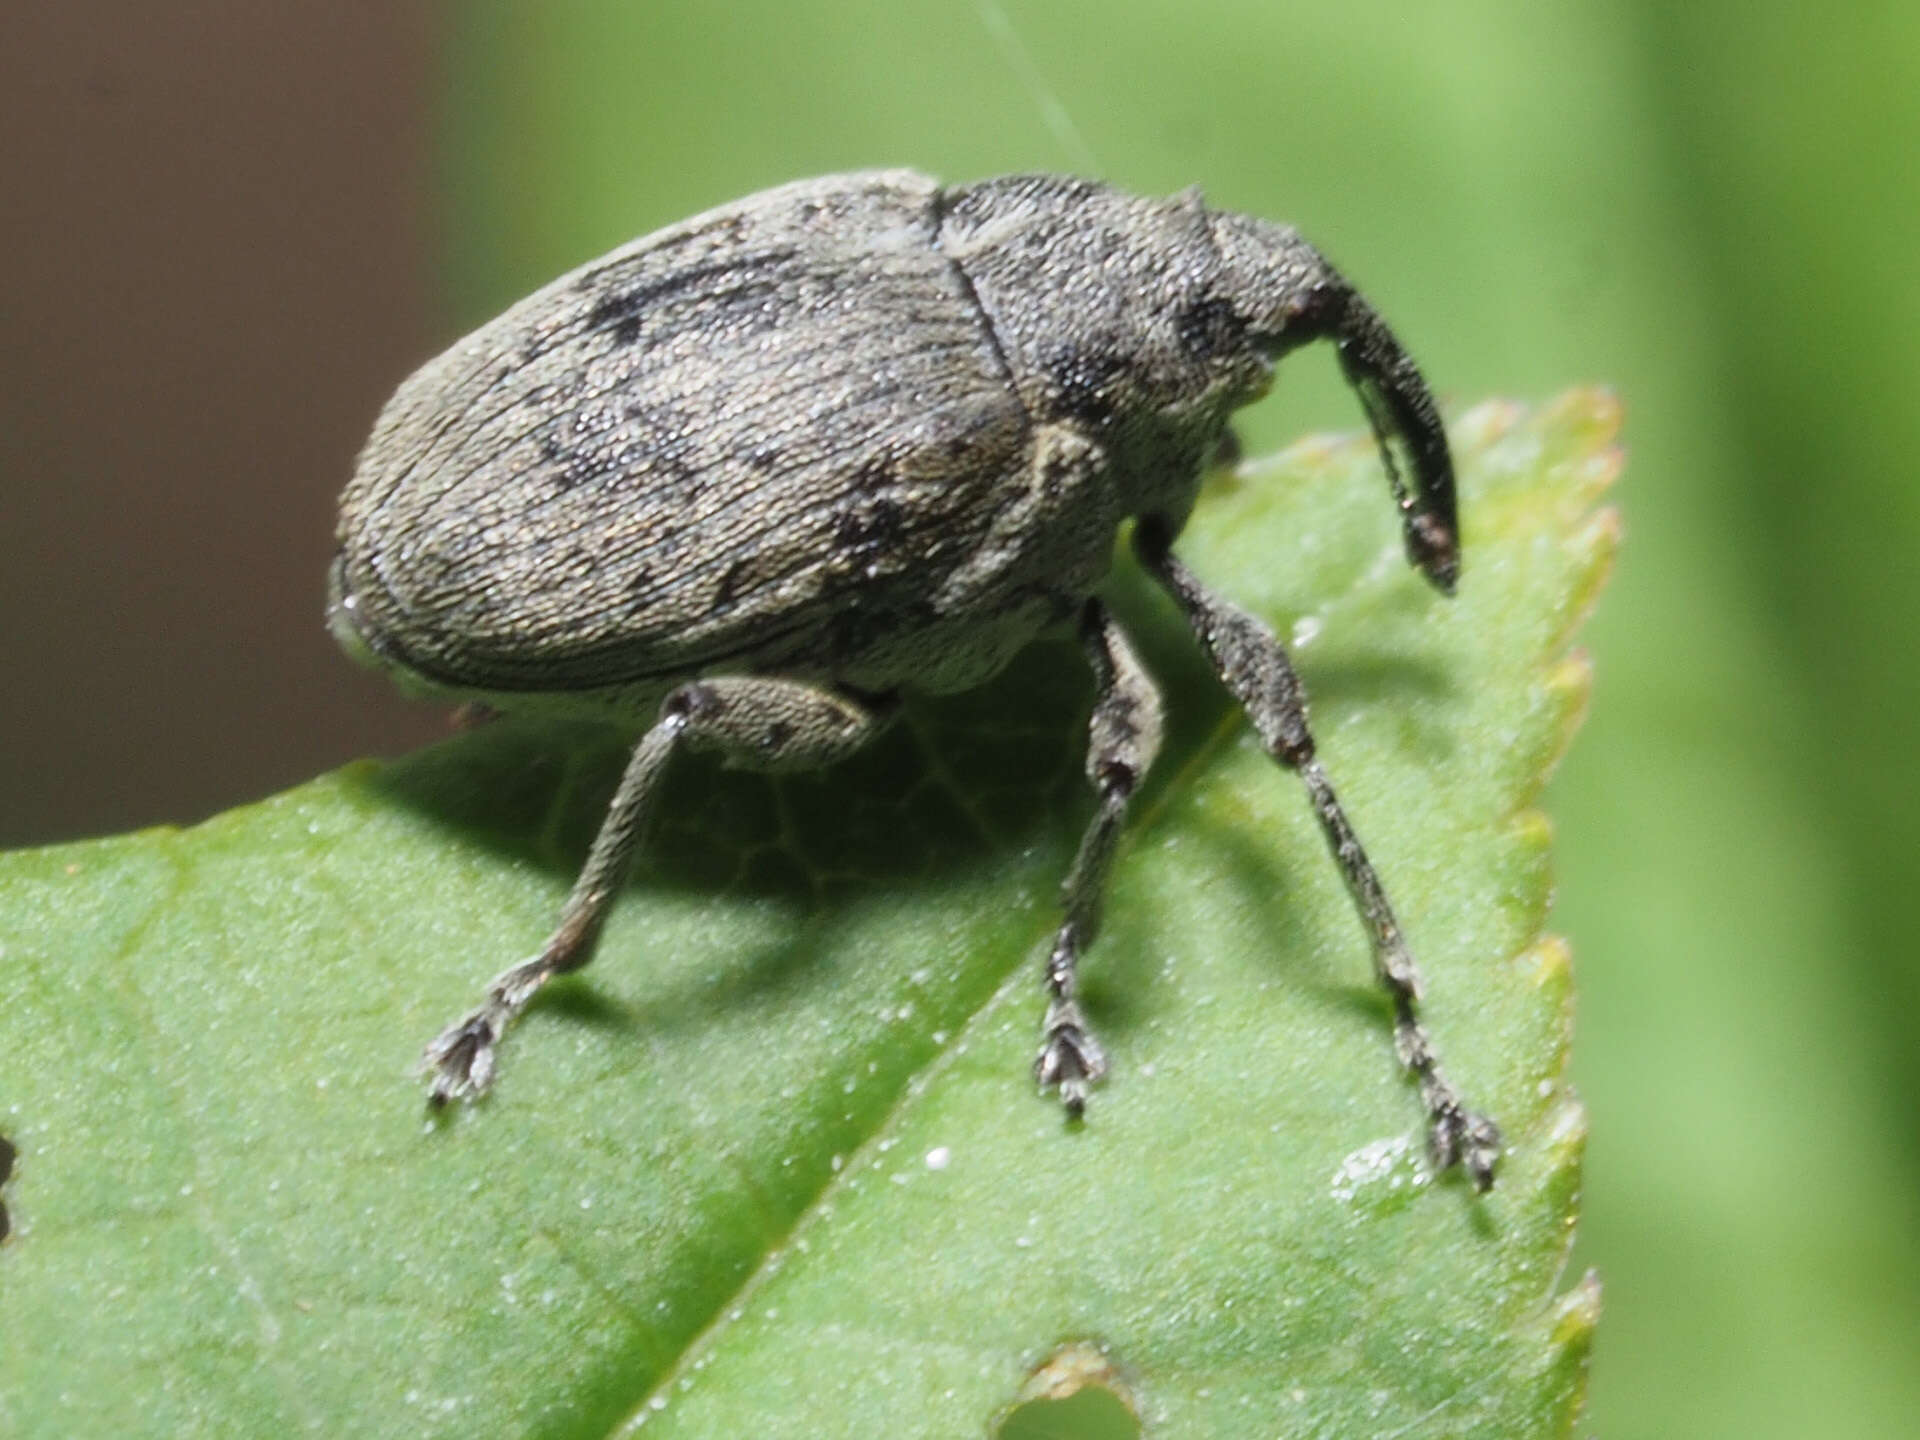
point(1288, 295)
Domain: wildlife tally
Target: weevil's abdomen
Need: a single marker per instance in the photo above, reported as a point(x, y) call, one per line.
point(755, 439)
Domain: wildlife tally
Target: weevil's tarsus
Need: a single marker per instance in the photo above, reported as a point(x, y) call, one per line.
point(1123, 736)
point(460, 1062)
point(754, 722)
point(1253, 665)
point(1458, 1135)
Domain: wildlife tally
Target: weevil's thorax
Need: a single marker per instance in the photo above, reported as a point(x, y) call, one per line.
point(1115, 317)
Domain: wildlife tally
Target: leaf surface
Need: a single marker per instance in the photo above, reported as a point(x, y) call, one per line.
point(774, 1164)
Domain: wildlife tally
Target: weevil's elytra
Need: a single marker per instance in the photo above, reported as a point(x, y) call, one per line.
point(756, 474)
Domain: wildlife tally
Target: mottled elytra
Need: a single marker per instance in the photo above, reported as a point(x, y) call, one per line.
point(755, 475)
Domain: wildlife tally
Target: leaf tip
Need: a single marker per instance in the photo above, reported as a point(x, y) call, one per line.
point(1576, 1314)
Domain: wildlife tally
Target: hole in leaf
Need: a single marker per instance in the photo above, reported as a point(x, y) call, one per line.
point(1092, 1414)
point(1075, 1395)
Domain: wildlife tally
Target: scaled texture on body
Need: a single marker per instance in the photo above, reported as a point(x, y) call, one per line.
point(799, 433)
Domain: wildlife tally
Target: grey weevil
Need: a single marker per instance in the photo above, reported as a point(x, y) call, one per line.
point(758, 473)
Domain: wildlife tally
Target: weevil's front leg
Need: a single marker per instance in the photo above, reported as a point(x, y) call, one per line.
point(1123, 737)
point(1254, 666)
point(758, 723)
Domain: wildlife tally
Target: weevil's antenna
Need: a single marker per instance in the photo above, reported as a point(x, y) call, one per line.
point(1053, 110)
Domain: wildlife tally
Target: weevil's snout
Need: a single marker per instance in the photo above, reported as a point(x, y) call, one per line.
point(1400, 409)
point(1291, 295)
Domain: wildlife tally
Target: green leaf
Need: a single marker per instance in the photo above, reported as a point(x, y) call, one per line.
point(775, 1165)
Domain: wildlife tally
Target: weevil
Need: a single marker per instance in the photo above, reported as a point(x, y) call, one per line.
point(748, 479)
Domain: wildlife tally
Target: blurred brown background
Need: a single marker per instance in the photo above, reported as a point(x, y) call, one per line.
point(214, 249)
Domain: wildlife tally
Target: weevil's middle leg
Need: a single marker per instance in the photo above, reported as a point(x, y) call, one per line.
point(1253, 665)
point(756, 722)
point(1123, 737)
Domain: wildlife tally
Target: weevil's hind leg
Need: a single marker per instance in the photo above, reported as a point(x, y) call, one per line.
point(757, 723)
point(1123, 737)
point(1253, 665)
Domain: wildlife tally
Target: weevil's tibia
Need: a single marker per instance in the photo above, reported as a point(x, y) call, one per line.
point(763, 724)
point(460, 1061)
point(1254, 666)
point(1123, 735)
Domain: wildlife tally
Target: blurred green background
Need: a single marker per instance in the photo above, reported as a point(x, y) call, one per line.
point(1710, 207)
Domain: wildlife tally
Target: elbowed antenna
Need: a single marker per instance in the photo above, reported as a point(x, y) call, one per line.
point(1290, 295)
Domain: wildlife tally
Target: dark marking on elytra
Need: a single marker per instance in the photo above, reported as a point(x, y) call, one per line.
point(624, 314)
point(583, 467)
point(732, 582)
point(867, 530)
point(868, 540)
point(662, 465)
point(870, 526)
point(872, 477)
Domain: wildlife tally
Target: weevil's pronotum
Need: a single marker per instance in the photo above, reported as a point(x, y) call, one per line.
point(753, 476)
